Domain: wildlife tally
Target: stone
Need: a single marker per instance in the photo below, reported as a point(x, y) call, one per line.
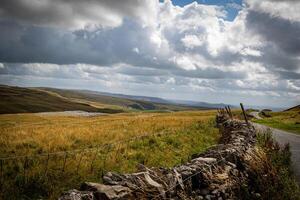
point(204, 191)
point(107, 192)
point(198, 197)
point(77, 195)
point(215, 192)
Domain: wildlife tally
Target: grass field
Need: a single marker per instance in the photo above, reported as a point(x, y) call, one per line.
point(286, 120)
point(171, 139)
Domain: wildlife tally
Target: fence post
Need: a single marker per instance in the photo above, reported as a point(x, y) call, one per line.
point(230, 112)
point(244, 113)
point(79, 163)
point(95, 156)
point(46, 167)
point(105, 157)
point(24, 169)
point(2, 174)
point(65, 160)
point(227, 111)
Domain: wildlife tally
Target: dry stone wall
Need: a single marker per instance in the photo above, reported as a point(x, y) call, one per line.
point(219, 173)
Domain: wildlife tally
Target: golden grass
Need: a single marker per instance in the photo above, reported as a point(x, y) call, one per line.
point(181, 134)
point(32, 133)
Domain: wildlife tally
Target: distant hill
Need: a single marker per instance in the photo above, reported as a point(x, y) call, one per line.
point(32, 100)
point(43, 99)
point(295, 108)
point(24, 100)
point(201, 104)
point(141, 98)
point(119, 100)
point(136, 102)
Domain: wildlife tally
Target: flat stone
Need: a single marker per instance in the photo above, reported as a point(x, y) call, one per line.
point(77, 195)
point(106, 192)
point(207, 160)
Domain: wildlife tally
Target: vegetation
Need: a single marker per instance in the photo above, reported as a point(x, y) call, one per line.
point(24, 100)
point(171, 139)
point(286, 120)
point(271, 175)
point(32, 100)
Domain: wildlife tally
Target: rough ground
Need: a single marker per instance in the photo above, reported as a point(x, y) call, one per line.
point(283, 137)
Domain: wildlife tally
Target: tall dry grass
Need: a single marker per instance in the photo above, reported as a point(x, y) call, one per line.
point(176, 137)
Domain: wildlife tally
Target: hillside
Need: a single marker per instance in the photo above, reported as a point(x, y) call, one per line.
point(31, 100)
point(295, 108)
point(119, 100)
point(25, 100)
point(201, 104)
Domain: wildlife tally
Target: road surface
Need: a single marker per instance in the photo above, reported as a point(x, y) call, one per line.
point(283, 137)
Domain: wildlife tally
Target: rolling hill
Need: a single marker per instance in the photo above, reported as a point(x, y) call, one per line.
point(42, 99)
point(24, 100)
point(118, 100)
point(31, 100)
point(295, 108)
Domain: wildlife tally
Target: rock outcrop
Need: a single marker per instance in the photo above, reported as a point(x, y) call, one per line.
point(219, 173)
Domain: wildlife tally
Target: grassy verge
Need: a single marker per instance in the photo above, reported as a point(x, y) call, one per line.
point(172, 139)
point(271, 176)
point(288, 120)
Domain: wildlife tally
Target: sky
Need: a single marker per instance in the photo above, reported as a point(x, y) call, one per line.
point(227, 51)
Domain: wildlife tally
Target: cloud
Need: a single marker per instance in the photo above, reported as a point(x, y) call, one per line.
point(285, 9)
point(168, 49)
point(77, 13)
point(281, 32)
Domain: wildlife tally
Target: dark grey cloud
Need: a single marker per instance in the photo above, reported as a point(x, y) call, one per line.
point(282, 32)
point(288, 75)
point(25, 44)
point(210, 73)
point(281, 49)
point(73, 13)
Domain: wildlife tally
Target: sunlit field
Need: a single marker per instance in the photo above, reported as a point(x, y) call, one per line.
point(288, 121)
point(47, 154)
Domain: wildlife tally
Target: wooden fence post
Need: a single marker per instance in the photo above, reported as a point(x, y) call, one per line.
point(1, 174)
point(244, 113)
point(78, 165)
point(230, 112)
point(227, 111)
point(65, 160)
point(25, 165)
point(94, 158)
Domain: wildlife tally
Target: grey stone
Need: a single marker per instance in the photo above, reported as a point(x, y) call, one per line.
point(77, 195)
point(104, 192)
point(204, 191)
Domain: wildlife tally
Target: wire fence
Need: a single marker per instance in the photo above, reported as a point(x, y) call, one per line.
point(49, 171)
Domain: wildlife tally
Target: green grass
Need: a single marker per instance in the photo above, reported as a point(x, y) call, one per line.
point(172, 139)
point(287, 120)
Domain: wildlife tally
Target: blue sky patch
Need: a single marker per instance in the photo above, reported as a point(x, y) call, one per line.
point(231, 6)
